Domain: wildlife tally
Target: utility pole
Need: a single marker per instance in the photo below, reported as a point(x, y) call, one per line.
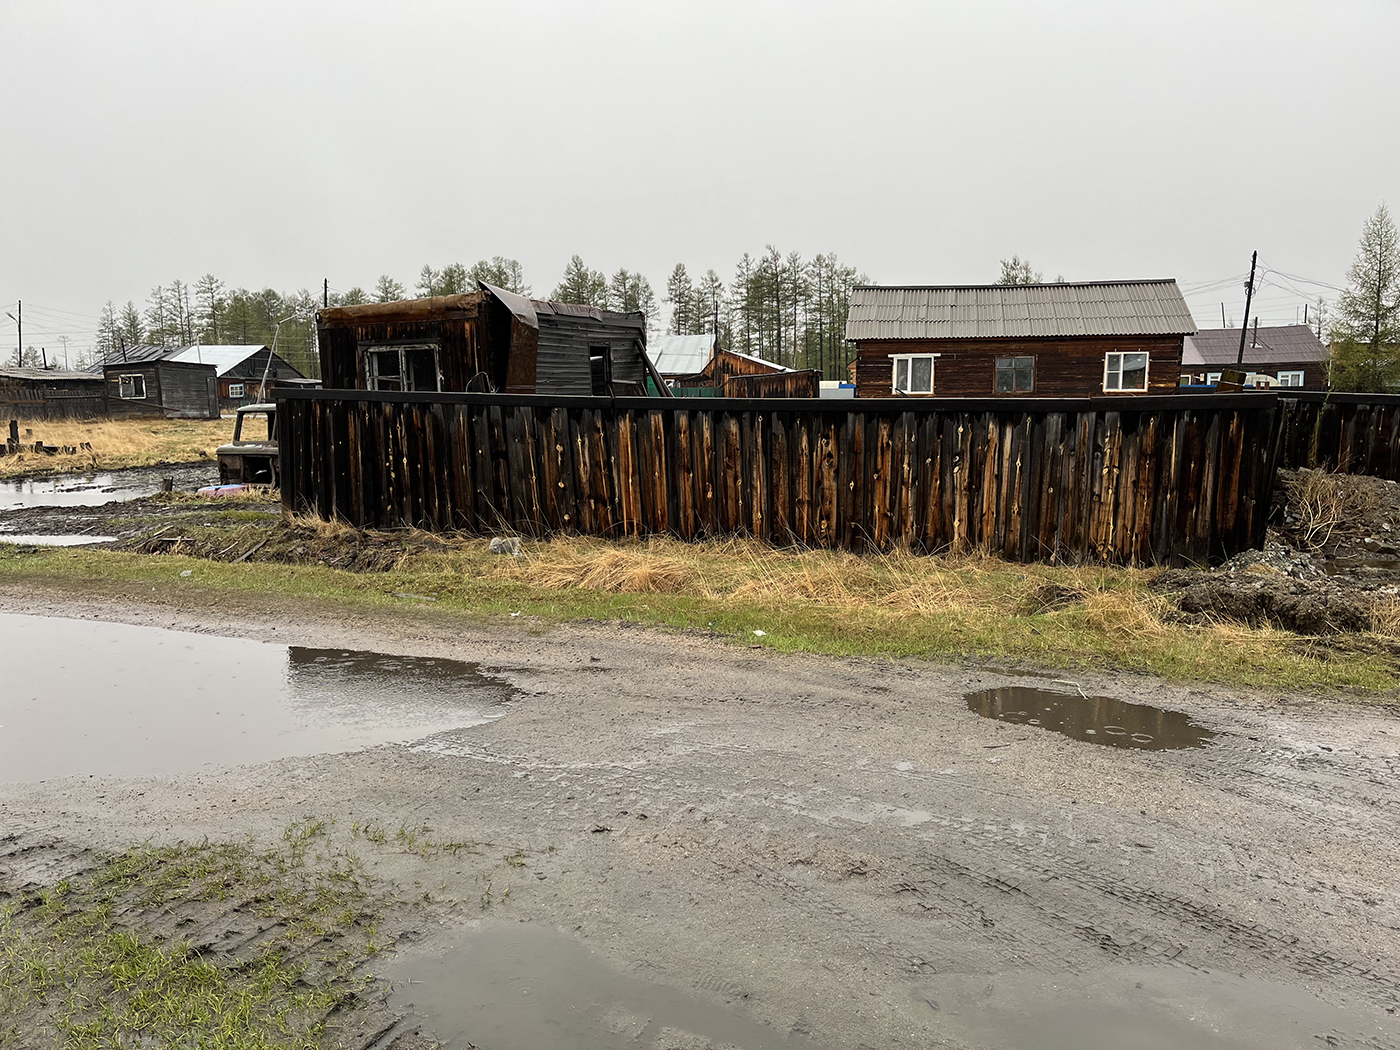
point(1248, 295)
point(326, 292)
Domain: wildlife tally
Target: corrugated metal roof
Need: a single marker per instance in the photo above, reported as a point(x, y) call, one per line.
point(221, 357)
point(1284, 343)
point(760, 361)
point(1012, 311)
point(681, 355)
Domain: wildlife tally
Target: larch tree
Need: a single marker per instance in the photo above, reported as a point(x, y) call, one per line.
point(1016, 270)
point(680, 296)
point(504, 273)
point(581, 285)
point(1365, 328)
point(388, 290)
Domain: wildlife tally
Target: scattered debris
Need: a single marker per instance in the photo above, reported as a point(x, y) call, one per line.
point(506, 545)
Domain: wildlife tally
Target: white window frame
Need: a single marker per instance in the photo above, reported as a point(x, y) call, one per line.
point(1212, 378)
point(236, 389)
point(1120, 354)
point(908, 360)
point(1292, 379)
point(123, 382)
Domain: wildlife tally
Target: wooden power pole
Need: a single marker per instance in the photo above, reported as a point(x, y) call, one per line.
point(1248, 295)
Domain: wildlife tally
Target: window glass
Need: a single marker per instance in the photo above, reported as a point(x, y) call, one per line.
point(1015, 375)
point(235, 390)
point(921, 375)
point(133, 387)
point(1212, 378)
point(901, 374)
point(1127, 372)
point(1290, 379)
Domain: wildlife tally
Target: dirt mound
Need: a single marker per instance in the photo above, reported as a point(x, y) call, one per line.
point(295, 543)
point(1276, 600)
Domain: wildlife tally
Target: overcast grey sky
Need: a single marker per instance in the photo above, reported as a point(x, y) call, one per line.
point(279, 143)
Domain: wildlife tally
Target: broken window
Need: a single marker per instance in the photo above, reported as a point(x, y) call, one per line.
point(132, 388)
point(413, 367)
point(600, 369)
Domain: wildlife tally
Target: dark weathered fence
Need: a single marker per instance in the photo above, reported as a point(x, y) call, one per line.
point(1127, 480)
point(1347, 433)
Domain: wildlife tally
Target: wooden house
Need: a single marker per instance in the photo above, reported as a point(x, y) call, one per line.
point(1279, 356)
point(160, 386)
point(239, 369)
point(1028, 340)
point(485, 341)
point(696, 366)
point(51, 393)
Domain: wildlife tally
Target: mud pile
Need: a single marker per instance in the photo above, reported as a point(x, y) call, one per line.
point(1330, 563)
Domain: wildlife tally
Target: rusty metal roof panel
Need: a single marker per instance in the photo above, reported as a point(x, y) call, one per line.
point(1100, 308)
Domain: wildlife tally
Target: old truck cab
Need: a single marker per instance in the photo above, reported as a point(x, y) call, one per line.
point(251, 460)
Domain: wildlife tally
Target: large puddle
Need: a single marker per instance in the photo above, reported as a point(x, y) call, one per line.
point(1144, 1008)
point(1097, 719)
point(93, 490)
point(83, 698)
point(520, 986)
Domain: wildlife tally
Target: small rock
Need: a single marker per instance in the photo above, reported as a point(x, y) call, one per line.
point(506, 545)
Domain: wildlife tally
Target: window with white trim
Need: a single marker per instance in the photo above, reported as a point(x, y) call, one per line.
point(235, 390)
point(913, 373)
point(1212, 378)
point(131, 388)
point(1290, 379)
point(1125, 372)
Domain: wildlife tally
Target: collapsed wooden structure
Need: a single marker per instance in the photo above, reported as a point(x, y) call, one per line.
point(1141, 480)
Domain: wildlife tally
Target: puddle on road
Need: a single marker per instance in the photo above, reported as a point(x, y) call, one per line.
point(521, 986)
point(92, 698)
point(93, 490)
point(1146, 1008)
point(35, 540)
point(1097, 719)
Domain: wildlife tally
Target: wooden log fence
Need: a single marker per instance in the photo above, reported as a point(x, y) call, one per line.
point(1345, 433)
point(1155, 480)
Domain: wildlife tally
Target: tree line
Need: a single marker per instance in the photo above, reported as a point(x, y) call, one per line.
point(776, 306)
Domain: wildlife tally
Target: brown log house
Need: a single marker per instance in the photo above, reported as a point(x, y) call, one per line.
point(1031, 340)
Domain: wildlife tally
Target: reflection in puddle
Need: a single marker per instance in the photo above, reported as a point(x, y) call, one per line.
point(92, 698)
point(520, 986)
point(36, 540)
point(1146, 1008)
point(1097, 719)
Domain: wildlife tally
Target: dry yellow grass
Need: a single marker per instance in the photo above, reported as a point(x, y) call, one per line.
point(117, 443)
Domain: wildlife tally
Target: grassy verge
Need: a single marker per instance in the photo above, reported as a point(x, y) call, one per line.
point(116, 444)
point(898, 605)
point(107, 959)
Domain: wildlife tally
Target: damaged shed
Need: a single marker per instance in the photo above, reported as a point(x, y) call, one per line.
point(486, 341)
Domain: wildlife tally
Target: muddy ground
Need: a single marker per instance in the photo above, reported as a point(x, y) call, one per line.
point(834, 848)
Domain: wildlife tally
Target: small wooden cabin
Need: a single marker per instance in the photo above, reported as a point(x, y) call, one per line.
point(1027, 340)
point(174, 389)
point(488, 340)
point(1279, 356)
point(696, 366)
point(51, 393)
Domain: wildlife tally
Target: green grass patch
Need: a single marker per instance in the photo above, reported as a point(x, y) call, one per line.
point(112, 959)
point(896, 606)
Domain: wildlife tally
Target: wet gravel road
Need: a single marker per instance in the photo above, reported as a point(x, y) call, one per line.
point(842, 849)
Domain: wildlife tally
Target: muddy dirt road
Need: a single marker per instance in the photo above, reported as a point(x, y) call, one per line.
point(843, 854)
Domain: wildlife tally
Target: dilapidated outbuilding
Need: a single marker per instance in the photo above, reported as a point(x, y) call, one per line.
point(173, 389)
point(490, 340)
point(51, 393)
